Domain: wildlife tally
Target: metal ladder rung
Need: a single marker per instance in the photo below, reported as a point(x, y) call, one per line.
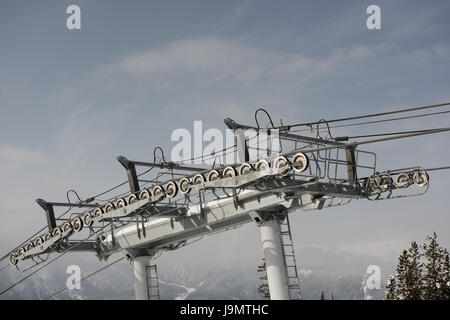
point(292, 281)
point(152, 282)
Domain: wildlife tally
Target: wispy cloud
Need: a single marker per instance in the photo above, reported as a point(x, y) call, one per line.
point(442, 49)
point(13, 156)
point(221, 59)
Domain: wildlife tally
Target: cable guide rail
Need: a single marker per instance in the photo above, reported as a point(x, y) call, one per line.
point(313, 173)
point(226, 177)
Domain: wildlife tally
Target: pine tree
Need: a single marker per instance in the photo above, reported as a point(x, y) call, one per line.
point(407, 284)
point(391, 288)
point(421, 275)
point(434, 281)
point(263, 288)
point(322, 296)
point(414, 273)
point(446, 276)
point(402, 270)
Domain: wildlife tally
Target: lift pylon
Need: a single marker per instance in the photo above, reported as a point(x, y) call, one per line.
point(183, 203)
point(273, 253)
point(141, 288)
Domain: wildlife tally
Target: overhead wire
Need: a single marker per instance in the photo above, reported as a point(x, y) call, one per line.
point(226, 150)
point(377, 121)
point(54, 259)
point(437, 168)
point(207, 156)
point(354, 144)
point(90, 199)
point(5, 267)
point(346, 138)
point(43, 228)
point(287, 127)
point(86, 277)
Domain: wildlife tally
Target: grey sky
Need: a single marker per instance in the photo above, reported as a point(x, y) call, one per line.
point(71, 101)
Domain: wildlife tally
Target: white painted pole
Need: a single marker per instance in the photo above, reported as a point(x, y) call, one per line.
point(140, 278)
point(276, 272)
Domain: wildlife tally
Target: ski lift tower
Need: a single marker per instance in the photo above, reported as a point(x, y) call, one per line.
point(183, 202)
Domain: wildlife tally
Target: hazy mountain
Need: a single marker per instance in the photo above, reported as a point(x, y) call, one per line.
point(332, 271)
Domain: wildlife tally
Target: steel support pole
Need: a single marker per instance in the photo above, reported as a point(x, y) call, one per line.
point(273, 253)
point(141, 290)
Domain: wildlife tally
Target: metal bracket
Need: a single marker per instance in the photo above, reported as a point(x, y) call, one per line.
point(131, 172)
point(143, 227)
point(235, 199)
point(241, 145)
point(130, 166)
point(138, 230)
point(351, 165)
point(112, 235)
point(49, 213)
